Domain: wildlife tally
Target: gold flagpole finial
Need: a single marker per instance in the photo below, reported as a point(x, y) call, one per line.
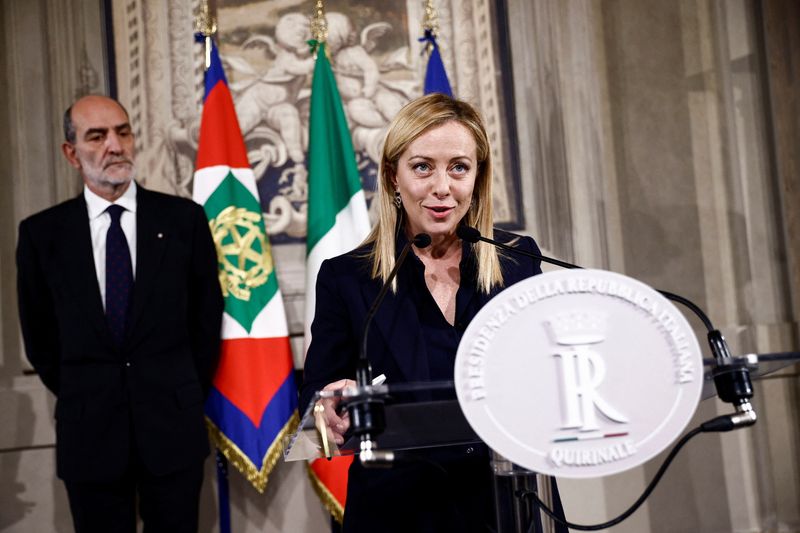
point(206, 25)
point(319, 26)
point(431, 20)
point(430, 23)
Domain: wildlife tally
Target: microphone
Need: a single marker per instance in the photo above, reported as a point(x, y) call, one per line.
point(732, 380)
point(367, 417)
point(470, 234)
point(364, 371)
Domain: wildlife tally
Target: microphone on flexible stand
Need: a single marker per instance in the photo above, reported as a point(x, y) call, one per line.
point(472, 235)
point(731, 378)
point(367, 416)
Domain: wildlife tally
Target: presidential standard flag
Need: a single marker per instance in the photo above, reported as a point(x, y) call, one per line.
point(337, 223)
point(253, 401)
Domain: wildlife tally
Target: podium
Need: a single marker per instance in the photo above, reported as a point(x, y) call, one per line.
point(421, 417)
point(418, 416)
point(424, 416)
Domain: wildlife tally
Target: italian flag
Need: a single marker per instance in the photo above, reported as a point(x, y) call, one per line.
point(253, 402)
point(337, 223)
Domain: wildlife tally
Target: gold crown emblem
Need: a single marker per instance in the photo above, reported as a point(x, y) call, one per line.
point(577, 327)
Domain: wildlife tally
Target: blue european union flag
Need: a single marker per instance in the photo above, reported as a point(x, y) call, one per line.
point(435, 76)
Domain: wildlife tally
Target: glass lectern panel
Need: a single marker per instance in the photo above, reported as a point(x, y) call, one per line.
point(418, 415)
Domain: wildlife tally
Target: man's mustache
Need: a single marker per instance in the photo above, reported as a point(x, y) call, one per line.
point(118, 161)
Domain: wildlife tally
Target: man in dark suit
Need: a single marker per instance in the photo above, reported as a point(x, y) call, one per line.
point(120, 308)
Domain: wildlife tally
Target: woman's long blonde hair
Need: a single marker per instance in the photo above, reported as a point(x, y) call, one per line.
point(417, 117)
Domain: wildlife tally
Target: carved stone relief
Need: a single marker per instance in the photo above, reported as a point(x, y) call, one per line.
point(160, 81)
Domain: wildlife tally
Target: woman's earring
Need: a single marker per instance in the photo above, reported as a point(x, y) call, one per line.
point(398, 202)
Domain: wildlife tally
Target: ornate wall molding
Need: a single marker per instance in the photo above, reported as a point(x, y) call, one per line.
point(158, 80)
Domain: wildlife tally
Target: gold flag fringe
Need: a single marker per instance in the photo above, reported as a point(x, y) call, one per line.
point(331, 504)
point(242, 463)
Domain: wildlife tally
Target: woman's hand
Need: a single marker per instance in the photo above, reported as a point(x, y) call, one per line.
point(337, 425)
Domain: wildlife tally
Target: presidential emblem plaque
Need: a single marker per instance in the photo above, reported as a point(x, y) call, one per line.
point(579, 373)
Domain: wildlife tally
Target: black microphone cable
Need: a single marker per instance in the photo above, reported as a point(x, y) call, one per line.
point(472, 235)
point(719, 347)
point(719, 424)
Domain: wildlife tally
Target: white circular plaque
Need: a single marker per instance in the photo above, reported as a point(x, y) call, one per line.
point(579, 373)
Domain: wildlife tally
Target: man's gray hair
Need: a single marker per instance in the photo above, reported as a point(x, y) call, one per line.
point(69, 126)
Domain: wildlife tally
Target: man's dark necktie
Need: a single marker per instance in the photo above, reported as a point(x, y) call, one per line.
point(119, 275)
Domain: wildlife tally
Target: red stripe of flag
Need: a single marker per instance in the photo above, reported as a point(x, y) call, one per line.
point(221, 141)
point(330, 482)
point(251, 371)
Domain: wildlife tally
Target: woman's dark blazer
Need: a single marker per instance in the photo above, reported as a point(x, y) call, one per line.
point(345, 292)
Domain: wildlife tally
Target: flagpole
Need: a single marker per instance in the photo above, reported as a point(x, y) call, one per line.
point(337, 219)
point(319, 29)
point(430, 24)
point(206, 25)
point(435, 75)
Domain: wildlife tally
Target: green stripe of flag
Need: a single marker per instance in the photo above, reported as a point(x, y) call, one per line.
point(333, 174)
